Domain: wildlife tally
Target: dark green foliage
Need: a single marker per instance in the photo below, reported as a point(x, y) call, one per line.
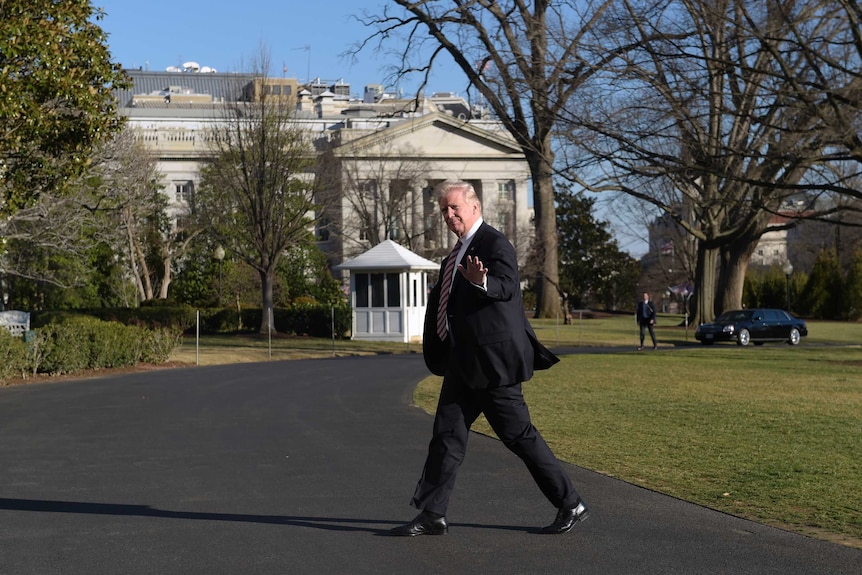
point(823, 295)
point(73, 343)
point(161, 315)
point(827, 293)
point(304, 318)
point(315, 320)
point(56, 101)
point(768, 288)
point(593, 269)
point(853, 287)
point(304, 274)
point(13, 355)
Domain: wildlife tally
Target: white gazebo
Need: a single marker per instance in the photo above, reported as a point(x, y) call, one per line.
point(388, 293)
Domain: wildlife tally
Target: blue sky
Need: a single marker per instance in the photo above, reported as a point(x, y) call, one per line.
point(307, 37)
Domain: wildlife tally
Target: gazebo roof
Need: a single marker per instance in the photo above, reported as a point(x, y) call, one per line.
point(387, 256)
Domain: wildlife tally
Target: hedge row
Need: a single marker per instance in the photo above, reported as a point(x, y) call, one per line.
point(76, 343)
point(310, 319)
point(301, 319)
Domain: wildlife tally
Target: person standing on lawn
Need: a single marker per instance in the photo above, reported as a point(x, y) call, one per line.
point(645, 317)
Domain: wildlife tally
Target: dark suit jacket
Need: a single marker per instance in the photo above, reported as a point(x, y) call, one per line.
point(493, 344)
point(650, 313)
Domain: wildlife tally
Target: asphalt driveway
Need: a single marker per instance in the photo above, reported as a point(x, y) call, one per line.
point(302, 467)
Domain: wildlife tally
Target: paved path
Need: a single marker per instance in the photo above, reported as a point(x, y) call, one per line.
point(301, 467)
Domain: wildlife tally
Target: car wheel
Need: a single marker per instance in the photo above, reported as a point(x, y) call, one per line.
point(744, 337)
point(794, 337)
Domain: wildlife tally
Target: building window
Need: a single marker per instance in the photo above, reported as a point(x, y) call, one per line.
point(322, 231)
point(184, 192)
point(395, 230)
point(368, 189)
point(361, 288)
point(378, 290)
point(506, 190)
point(393, 290)
point(378, 294)
point(505, 220)
point(182, 223)
point(367, 192)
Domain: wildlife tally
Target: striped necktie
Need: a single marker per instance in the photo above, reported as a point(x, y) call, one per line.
point(445, 288)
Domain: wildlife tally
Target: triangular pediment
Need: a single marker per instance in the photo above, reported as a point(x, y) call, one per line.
point(432, 136)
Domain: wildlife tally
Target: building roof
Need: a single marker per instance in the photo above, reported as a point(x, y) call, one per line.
point(221, 86)
point(388, 256)
point(229, 87)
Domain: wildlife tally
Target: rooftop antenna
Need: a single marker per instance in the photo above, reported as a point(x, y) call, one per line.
point(307, 49)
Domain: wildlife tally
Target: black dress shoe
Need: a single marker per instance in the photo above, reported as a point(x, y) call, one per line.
point(566, 519)
point(422, 524)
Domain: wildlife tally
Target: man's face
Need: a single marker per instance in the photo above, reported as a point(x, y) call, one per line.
point(458, 213)
point(646, 297)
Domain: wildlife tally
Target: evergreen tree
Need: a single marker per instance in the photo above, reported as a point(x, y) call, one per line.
point(593, 269)
point(822, 297)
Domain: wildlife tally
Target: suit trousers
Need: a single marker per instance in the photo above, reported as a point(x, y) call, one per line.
point(508, 415)
point(644, 327)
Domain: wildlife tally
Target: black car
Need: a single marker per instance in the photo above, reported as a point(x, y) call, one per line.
point(756, 326)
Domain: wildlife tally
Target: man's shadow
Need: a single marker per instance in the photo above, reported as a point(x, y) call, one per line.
point(325, 523)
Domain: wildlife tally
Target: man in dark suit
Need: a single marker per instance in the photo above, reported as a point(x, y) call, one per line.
point(645, 316)
point(477, 337)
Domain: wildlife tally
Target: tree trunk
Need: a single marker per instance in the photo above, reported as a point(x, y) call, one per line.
point(137, 261)
point(548, 295)
point(266, 281)
point(166, 277)
point(703, 301)
point(731, 278)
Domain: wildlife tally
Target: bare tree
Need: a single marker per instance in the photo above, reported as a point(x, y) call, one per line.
point(35, 236)
point(116, 203)
point(700, 122)
point(126, 190)
point(525, 61)
point(380, 196)
point(256, 195)
point(832, 50)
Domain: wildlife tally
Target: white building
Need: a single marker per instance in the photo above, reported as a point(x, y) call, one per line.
point(386, 154)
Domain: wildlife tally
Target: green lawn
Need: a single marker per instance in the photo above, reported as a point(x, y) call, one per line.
point(621, 330)
point(771, 433)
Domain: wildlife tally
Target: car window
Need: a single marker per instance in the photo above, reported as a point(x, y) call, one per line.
point(736, 315)
point(772, 315)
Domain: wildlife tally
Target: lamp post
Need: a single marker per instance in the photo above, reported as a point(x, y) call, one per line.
point(218, 254)
point(788, 269)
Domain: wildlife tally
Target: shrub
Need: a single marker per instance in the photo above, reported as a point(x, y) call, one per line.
point(13, 355)
point(159, 345)
point(314, 319)
point(74, 343)
point(173, 316)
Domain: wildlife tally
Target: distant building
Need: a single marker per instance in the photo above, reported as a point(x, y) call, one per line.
point(382, 148)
